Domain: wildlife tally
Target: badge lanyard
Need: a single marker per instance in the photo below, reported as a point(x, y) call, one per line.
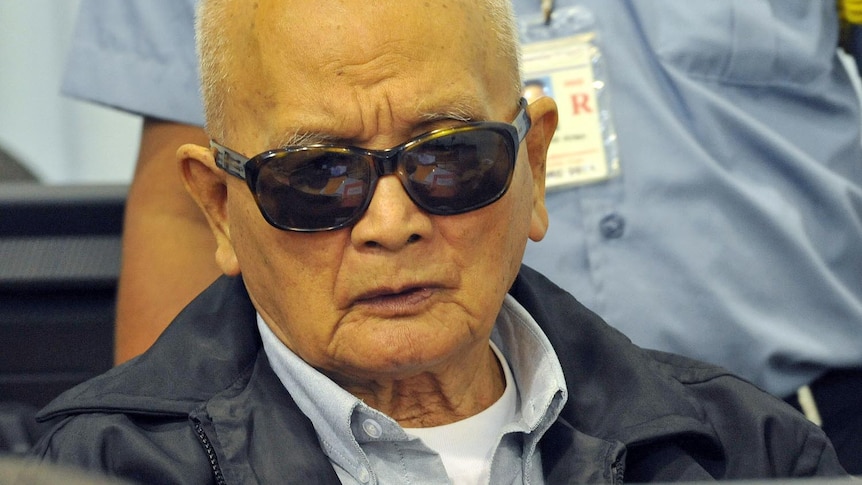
point(562, 59)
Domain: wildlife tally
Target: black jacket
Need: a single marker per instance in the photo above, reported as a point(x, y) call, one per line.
point(204, 406)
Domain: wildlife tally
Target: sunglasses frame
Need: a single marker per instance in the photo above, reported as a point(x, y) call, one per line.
point(385, 162)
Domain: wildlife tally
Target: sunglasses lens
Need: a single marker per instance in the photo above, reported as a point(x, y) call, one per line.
point(322, 188)
point(461, 171)
point(312, 189)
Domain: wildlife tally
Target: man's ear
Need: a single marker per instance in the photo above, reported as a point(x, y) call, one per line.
point(543, 115)
point(207, 185)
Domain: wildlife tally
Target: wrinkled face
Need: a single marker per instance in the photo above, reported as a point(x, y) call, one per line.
point(401, 291)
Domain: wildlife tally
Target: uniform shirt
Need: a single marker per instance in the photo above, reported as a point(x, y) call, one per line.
point(734, 232)
point(137, 55)
point(366, 447)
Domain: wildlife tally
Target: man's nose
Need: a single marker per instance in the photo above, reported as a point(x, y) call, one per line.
point(392, 220)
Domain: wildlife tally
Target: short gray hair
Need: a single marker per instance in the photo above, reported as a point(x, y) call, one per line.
point(214, 58)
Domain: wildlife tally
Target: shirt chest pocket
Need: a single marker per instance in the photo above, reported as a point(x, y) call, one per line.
point(745, 42)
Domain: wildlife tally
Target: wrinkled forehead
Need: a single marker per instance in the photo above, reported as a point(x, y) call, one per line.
point(288, 53)
point(304, 26)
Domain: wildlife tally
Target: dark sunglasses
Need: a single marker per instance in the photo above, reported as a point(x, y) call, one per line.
point(325, 187)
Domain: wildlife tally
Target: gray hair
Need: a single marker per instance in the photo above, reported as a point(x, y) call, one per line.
point(216, 58)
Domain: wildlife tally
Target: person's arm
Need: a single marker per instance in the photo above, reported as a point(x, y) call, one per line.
point(167, 246)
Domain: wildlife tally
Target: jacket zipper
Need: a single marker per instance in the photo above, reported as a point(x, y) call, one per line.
point(618, 472)
point(208, 448)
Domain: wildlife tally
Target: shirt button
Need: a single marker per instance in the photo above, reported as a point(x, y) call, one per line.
point(612, 226)
point(372, 428)
point(363, 475)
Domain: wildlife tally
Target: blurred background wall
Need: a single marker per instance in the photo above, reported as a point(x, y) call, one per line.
point(61, 140)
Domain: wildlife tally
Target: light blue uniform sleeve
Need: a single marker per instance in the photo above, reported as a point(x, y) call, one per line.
point(137, 56)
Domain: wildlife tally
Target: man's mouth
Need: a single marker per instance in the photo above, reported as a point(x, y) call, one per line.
point(403, 300)
point(384, 294)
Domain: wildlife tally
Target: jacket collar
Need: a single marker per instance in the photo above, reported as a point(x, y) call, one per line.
point(208, 346)
point(617, 391)
point(623, 400)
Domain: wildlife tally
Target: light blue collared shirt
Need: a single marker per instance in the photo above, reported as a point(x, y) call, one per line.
point(367, 447)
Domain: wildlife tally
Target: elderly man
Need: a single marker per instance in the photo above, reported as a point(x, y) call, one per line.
point(372, 182)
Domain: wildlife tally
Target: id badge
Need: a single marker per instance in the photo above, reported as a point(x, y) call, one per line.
point(562, 59)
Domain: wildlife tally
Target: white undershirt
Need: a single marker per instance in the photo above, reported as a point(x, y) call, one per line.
point(466, 447)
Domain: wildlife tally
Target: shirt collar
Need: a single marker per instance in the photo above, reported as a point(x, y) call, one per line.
point(338, 416)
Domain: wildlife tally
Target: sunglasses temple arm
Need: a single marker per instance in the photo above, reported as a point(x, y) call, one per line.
point(229, 160)
point(522, 122)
